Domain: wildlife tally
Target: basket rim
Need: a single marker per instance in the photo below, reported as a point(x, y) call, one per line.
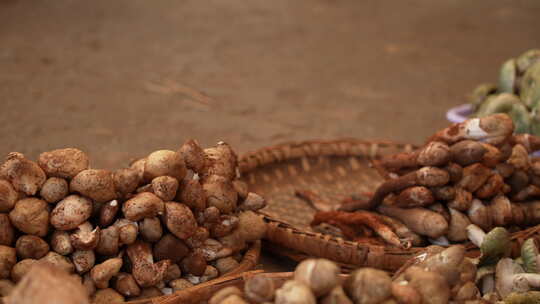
point(250, 259)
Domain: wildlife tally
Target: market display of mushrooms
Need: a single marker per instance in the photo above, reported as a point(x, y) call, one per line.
point(474, 172)
point(171, 220)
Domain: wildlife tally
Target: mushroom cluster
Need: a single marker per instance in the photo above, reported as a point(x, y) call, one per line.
point(170, 220)
point(475, 172)
point(517, 93)
point(439, 276)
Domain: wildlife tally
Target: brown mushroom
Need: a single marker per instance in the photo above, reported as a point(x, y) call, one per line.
point(126, 180)
point(108, 243)
point(61, 242)
point(24, 175)
point(8, 258)
point(179, 220)
point(6, 230)
point(171, 248)
point(21, 268)
point(54, 189)
point(193, 155)
point(102, 273)
point(150, 229)
point(85, 237)
point(164, 162)
point(144, 270)
point(220, 193)
point(142, 205)
point(192, 195)
point(83, 260)
point(31, 216)
point(126, 285)
point(31, 247)
point(8, 196)
point(71, 212)
point(95, 184)
point(165, 187)
point(59, 261)
point(63, 163)
point(107, 213)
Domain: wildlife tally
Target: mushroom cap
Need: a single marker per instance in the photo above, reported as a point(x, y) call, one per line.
point(505, 281)
point(529, 253)
point(496, 245)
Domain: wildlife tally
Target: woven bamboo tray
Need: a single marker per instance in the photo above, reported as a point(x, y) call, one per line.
point(331, 169)
point(198, 293)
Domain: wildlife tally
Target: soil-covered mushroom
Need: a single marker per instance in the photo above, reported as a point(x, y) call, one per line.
point(85, 237)
point(31, 216)
point(164, 162)
point(102, 273)
point(54, 189)
point(31, 247)
point(179, 220)
point(71, 212)
point(165, 187)
point(24, 175)
point(144, 270)
point(63, 163)
point(142, 205)
point(220, 193)
point(96, 184)
point(169, 247)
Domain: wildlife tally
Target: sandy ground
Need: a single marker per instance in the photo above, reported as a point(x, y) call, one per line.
point(121, 78)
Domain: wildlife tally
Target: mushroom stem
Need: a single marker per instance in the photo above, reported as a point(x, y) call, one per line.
point(475, 234)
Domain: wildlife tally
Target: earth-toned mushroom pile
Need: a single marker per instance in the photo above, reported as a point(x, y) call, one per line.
point(171, 220)
point(475, 172)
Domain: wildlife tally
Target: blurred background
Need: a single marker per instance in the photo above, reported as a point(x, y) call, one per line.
point(122, 78)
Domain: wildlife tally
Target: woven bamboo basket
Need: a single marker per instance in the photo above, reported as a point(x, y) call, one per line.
point(201, 292)
point(331, 169)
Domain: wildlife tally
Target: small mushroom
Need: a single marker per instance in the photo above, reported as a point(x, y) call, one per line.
point(493, 129)
point(180, 284)
point(179, 220)
point(519, 158)
point(21, 269)
point(194, 263)
point(144, 270)
point(171, 248)
point(85, 237)
point(8, 196)
point(198, 238)
point(404, 293)
point(24, 175)
point(7, 232)
point(83, 260)
point(126, 180)
point(31, 247)
point(226, 264)
point(193, 155)
point(336, 296)
point(192, 194)
point(220, 193)
point(127, 231)
point(59, 261)
point(293, 292)
point(210, 273)
point(108, 243)
point(252, 202)
point(150, 229)
point(63, 163)
point(467, 152)
point(474, 176)
point(31, 216)
point(102, 273)
point(224, 226)
point(144, 204)
point(107, 213)
point(165, 187)
point(510, 278)
point(54, 189)
point(320, 275)
point(96, 184)
point(71, 212)
point(419, 220)
point(259, 289)
point(431, 286)
point(164, 162)
point(61, 242)
point(457, 227)
point(223, 293)
point(462, 200)
point(480, 215)
point(417, 196)
point(8, 258)
point(368, 286)
point(173, 273)
point(107, 296)
point(493, 245)
point(126, 285)
point(251, 226)
point(220, 160)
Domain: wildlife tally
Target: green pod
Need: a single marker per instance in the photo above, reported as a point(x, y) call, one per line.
point(500, 103)
point(529, 254)
point(507, 76)
point(527, 59)
point(530, 86)
point(521, 117)
point(480, 93)
point(529, 297)
point(495, 246)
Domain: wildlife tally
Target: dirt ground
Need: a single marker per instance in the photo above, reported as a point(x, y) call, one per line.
point(121, 78)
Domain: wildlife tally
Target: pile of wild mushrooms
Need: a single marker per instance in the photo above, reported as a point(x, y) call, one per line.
point(475, 172)
point(171, 220)
point(438, 275)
